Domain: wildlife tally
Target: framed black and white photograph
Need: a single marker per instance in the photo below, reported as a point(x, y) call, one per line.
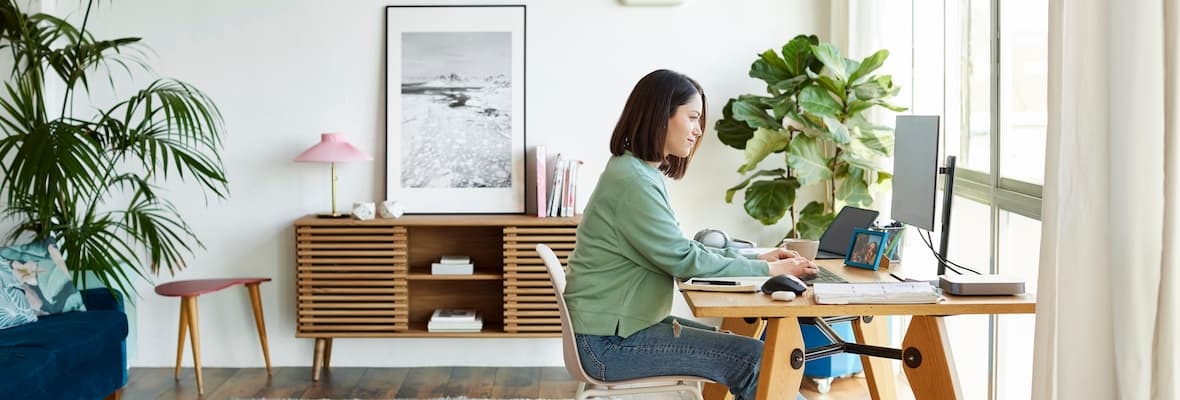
point(455, 108)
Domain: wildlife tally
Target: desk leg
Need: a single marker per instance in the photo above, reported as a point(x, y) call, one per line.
point(927, 360)
point(739, 326)
point(878, 370)
point(782, 360)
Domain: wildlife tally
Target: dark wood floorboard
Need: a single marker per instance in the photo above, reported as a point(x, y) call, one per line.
point(556, 383)
point(473, 382)
point(425, 382)
point(517, 383)
point(380, 383)
point(402, 383)
point(246, 383)
point(336, 383)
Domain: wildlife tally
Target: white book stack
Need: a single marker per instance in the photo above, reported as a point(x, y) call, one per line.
point(453, 265)
point(449, 320)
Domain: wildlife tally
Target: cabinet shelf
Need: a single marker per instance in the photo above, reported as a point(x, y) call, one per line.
point(472, 277)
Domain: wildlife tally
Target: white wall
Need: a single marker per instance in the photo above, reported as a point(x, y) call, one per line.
point(285, 71)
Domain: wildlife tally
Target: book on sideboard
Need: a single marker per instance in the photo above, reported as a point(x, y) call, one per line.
point(455, 320)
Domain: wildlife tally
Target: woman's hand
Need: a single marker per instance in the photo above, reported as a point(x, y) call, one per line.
point(797, 266)
point(778, 253)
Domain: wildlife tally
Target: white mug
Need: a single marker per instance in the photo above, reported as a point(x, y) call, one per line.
point(805, 248)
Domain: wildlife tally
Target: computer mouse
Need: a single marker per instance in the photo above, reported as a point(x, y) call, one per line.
point(784, 282)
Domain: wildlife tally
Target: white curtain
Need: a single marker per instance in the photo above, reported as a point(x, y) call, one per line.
point(1107, 308)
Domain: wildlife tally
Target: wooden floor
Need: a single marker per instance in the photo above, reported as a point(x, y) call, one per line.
point(395, 383)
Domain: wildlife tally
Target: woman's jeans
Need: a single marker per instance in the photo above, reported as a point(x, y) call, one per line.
point(675, 346)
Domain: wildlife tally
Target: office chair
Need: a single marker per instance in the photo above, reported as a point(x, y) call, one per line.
point(590, 387)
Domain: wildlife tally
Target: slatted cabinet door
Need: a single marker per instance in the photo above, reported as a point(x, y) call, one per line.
point(529, 303)
point(351, 280)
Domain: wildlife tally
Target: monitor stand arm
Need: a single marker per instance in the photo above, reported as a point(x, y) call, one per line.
point(948, 191)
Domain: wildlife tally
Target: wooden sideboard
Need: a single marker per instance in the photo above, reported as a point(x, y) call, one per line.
point(372, 278)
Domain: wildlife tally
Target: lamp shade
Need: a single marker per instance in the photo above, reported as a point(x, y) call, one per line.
point(332, 148)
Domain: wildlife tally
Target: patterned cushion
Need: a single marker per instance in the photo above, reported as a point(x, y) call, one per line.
point(14, 307)
point(39, 267)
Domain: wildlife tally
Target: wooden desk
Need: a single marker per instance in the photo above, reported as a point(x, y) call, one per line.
point(926, 356)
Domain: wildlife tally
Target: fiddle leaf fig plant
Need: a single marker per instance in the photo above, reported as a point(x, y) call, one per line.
point(812, 125)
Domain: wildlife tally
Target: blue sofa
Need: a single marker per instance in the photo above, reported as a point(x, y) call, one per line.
point(74, 355)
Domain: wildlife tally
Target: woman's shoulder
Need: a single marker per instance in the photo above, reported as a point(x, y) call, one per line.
point(629, 169)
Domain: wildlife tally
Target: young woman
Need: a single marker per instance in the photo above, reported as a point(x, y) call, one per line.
point(630, 251)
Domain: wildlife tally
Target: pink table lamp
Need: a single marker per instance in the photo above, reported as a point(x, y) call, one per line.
point(332, 148)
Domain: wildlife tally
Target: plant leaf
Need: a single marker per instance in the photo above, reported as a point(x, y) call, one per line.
point(805, 156)
point(868, 65)
point(753, 115)
point(836, 131)
point(833, 86)
point(764, 142)
point(853, 190)
point(797, 54)
point(818, 101)
point(769, 68)
point(778, 172)
point(813, 221)
point(767, 201)
point(880, 142)
point(830, 56)
point(731, 132)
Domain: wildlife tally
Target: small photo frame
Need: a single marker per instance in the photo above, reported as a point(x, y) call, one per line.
point(865, 249)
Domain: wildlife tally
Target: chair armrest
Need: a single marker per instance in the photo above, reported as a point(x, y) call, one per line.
point(102, 299)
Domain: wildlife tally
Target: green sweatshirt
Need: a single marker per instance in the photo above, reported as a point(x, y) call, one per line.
point(629, 249)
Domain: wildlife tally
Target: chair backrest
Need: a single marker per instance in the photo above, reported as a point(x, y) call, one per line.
point(573, 363)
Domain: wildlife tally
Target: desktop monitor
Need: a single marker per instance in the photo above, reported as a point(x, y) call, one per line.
point(915, 170)
point(915, 178)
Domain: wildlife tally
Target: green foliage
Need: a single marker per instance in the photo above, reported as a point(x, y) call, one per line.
point(91, 183)
point(814, 115)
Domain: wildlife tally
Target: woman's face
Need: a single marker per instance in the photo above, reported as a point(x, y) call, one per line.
point(684, 128)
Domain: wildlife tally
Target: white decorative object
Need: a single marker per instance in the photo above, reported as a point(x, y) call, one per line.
point(390, 209)
point(364, 210)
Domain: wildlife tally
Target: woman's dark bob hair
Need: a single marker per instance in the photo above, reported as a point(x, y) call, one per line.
point(643, 126)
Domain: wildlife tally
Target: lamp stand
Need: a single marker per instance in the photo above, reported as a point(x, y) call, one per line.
point(334, 214)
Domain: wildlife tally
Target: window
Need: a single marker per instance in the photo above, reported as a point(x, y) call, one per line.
point(991, 94)
point(1002, 67)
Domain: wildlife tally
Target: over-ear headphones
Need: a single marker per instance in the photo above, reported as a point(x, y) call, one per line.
point(717, 238)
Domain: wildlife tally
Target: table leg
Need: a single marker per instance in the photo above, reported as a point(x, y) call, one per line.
point(190, 303)
point(927, 361)
point(256, 302)
point(738, 326)
point(180, 337)
point(317, 363)
point(782, 360)
point(878, 370)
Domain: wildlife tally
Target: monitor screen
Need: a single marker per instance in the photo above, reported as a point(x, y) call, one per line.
point(915, 170)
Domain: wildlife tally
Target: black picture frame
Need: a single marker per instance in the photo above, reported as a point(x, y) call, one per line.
point(455, 108)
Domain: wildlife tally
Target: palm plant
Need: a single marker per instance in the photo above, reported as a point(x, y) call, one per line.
point(90, 184)
point(815, 116)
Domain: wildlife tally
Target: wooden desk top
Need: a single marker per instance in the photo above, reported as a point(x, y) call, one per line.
point(717, 304)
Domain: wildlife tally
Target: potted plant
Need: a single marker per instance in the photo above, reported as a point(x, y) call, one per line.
point(814, 118)
point(90, 182)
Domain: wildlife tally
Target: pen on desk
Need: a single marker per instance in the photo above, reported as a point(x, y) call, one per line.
point(712, 282)
point(896, 277)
